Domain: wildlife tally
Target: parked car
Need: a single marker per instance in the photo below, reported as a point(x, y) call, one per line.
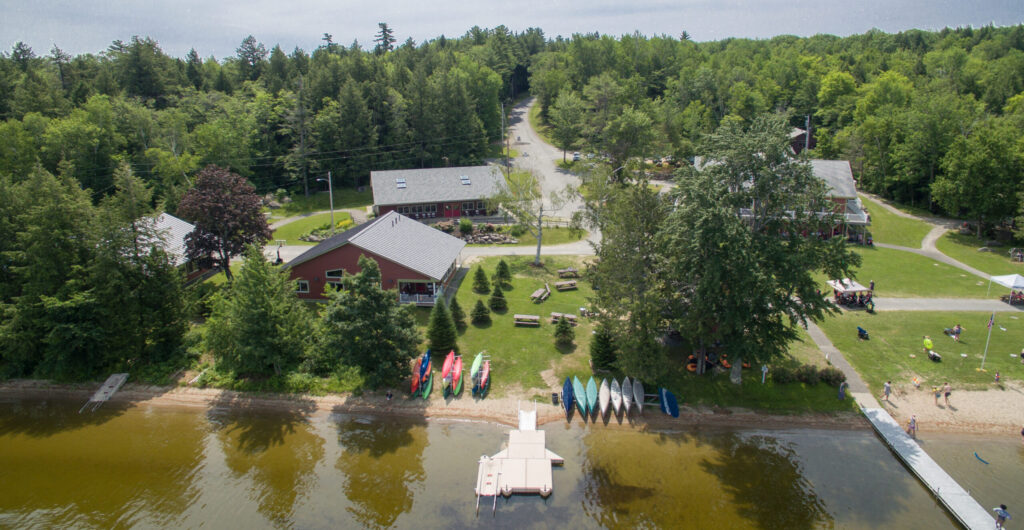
point(576, 156)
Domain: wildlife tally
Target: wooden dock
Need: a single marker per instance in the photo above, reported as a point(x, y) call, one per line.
point(111, 385)
point(960, 504)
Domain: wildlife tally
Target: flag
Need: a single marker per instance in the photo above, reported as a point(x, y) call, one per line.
point(991, 320)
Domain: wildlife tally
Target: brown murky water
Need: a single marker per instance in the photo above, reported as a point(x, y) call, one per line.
point(232, 467)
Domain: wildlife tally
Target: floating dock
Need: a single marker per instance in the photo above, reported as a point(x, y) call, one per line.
point(523, 467)
point(964, 508)
point(110, 386)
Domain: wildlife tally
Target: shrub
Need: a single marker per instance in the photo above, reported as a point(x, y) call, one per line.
point(516, 230)
point(488, 228)
point(480, 315)
point(480, 283)
point(497, 300)
point(807, 373)
point(458, 315)
point(564, 334)
point(445, 226)
point(782, 374)
point(832, 376)
point(465, 226)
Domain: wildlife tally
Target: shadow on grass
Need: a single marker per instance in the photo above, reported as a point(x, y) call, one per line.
point(566, 349)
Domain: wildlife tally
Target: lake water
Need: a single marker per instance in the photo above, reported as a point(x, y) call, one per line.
point(144, 466)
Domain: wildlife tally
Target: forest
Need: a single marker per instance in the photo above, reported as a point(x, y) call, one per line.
point(933, 120)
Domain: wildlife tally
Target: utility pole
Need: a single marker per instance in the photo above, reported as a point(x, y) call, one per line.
point(330, 191)
point(508, 167)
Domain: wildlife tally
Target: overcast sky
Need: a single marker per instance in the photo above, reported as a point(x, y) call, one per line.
point(217, 27)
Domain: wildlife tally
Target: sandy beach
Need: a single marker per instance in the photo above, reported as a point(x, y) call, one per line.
point(999, 410)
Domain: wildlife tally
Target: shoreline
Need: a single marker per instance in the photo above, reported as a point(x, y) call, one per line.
point(989, 412)
point(495, 410)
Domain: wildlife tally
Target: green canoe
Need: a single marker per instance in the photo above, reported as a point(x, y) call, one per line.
point(591, 395)
point(474, 371)
point(428, 385)
point(580, 394)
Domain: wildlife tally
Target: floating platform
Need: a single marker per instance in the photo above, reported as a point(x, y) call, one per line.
point(111, 385)
point(524, 467)
point(960, 504)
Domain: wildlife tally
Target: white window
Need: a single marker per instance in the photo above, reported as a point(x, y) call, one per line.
point(302, 286)
point(335, 274)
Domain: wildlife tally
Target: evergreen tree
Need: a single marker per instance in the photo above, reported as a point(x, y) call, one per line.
point(441, 333)
point(258, 326)
point(503, 274)
point(458, 315)
point(481, 315)
point(497, 301)
point(602, 349)
point(366, 327)
point(385, 38)
point(564, 334)
point(480, 283)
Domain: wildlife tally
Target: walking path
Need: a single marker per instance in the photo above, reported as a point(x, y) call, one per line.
point(943, 304)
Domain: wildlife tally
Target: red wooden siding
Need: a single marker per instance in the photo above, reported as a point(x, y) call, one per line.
point(347, 257)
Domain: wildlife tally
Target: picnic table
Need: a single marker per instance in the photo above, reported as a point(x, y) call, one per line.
point(526, 320)
point(541, 294)
point(566, 285)
point(570, 317)
point(571, 272)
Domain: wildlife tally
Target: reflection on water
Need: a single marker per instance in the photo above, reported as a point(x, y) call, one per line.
point(380, 461)
point(236, 466)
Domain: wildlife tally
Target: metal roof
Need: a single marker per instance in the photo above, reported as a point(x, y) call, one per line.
point(837, 176)
point(172, 232)
point(445, 184)
point(400, 239)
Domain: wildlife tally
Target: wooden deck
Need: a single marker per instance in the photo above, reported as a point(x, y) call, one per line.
point(960, 504)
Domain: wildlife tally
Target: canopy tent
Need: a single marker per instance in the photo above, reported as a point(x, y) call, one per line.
point(847, 285)
point(1012, 281)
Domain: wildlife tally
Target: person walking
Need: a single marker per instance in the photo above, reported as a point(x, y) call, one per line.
point(871, 286)
point(946, 391)
point(912, 426)
point(928, 345)
point(886, 390)
point(936, 391)
point(1001, 515)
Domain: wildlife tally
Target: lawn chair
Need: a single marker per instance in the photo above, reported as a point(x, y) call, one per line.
point(862, 333)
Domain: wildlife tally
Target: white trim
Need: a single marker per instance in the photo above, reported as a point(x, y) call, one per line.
point(302, 286)
point(329, 276)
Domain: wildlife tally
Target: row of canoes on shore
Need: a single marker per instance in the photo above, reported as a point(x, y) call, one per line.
point(451, 375)
point(592, 397)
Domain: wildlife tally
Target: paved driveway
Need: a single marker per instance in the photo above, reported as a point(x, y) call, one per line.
point(540, 158)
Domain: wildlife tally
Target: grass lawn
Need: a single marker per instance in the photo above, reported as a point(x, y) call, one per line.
point(964, 248)
point(343, 198)
point(519, 354)
point(220, 278)
point(542, 130)
point(897, 335)
point(555, 235)
point(887, 227)
point(293, 230)
point(903, 274)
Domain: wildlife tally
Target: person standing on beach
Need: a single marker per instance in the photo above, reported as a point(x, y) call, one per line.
point(1001, 515)
point(886, 390)
point(937, 392)
point(912, 426)
point(946, 391)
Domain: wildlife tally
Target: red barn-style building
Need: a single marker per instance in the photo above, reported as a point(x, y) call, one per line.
point(438, 192)
point(417, 261)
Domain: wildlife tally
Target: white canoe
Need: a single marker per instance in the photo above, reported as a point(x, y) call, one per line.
point(616, 396)
point(603, 396)
point(638, 395)
point(627, 394)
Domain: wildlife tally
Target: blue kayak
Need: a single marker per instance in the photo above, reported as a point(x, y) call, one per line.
point(424, 364)
point(668, 403)
point(567, 396)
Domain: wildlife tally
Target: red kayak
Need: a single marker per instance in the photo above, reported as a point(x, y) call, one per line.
point(485, 376)
point(416, 376)
point(446, 369)
point(457, 375)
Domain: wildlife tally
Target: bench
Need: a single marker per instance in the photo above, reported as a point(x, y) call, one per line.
point(526, 320)
point(555, 316)
point(566, 285)
point(571, 272)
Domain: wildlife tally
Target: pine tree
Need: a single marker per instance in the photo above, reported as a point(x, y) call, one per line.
point(480, 283)
point(503, 274)
point(458, 315)
point(481, 315)
point(564, 334)
point(497, 301)
point(441, 334)
point(602, 349)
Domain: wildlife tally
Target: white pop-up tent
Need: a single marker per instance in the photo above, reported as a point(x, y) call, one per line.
point(1011, 281)
point(847, 285)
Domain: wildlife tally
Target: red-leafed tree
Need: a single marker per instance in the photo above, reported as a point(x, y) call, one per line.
point(226, 211)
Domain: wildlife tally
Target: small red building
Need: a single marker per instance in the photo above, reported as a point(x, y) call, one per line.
point(417, 261)
point(437, 192)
